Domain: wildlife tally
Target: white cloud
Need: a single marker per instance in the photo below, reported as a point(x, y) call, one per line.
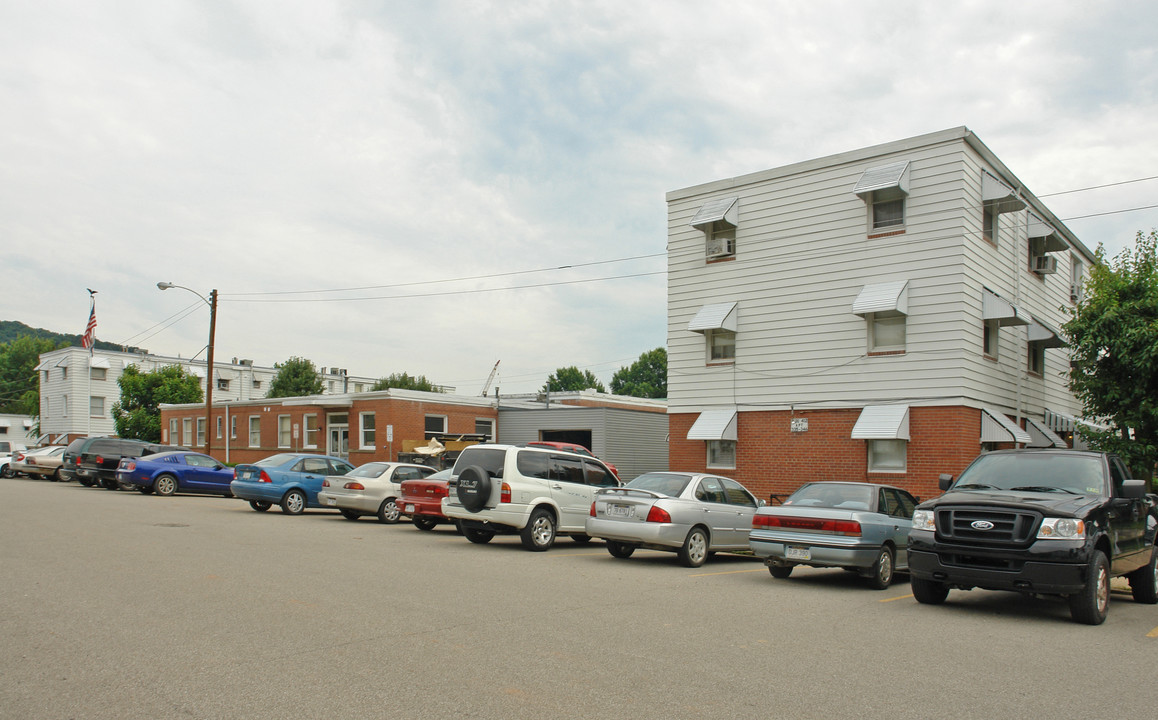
point(266, 147)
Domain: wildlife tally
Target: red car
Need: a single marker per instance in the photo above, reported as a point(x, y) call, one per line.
point(572, 447)
point(421, 500)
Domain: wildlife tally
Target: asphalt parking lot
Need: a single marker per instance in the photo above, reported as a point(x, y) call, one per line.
point(121, 605)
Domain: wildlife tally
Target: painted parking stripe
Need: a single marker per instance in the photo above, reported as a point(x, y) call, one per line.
point(899, 597)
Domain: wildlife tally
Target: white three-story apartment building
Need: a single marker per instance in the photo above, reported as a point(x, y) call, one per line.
point(883, 314)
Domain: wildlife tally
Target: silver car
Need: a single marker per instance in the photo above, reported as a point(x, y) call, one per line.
point(690, 513)
point(370, 489)
point(857, 526)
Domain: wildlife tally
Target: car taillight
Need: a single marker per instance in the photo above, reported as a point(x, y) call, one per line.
point(131, 465)
point(505, 493)
point(264, 477)
point(658, 514)
point(835, 527)
point(100, 460)
point(592, 513)
point(354, 486)
point(325, 483)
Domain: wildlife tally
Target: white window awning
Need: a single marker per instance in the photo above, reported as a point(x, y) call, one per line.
point(196, 371)
point(1039, 228)
point(721, 316)
point(714, 425)
point(98, 362)
point(27, 424)
point(44, 365)
point(1044, 335)
point(224, 374)
point(63, 362)
point(882, 422)
point(883, 297)
point(1060, 422)
point(996, 194)
point(894, 176)
point(996, 427)
point(1042, 435)
point(724, 210)
point(994, 307)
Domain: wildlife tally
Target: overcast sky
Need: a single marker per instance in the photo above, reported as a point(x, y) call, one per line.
point(435, 167)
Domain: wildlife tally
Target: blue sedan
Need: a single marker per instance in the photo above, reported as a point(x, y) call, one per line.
point(171, 472)
point(857, 526)
point(291, 480)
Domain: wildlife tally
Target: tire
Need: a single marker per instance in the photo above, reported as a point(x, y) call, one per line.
point(695, 548)
point(259, 505)
point(110, 484)
point(294, 502)
point(388, 512)
point(581, 539)
point(474, 488)
point(478, 537)
point(165, 485)
point(780, 571)
point(6, 471)
point(1090, 605)
point(539, 534)
point(145, 490)
point(56, 476)
point(1144, 581)
point(928, 592)
point(620, 549)
point(424, 523)
point(882, 570)
point(350, 514)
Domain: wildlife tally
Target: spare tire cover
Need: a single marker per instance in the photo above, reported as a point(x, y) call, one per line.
point(474, 488)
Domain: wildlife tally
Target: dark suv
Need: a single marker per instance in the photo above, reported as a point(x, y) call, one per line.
point(97, 461)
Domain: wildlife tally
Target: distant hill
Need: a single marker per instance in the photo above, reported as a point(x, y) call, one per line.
point(12, 329)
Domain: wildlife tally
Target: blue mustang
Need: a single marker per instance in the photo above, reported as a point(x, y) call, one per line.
point(171, 472)
point(291, 480)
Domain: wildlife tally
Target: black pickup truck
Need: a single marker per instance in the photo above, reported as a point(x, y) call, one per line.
point(1041, 522)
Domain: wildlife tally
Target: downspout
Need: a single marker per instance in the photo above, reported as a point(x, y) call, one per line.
point(1021, 369)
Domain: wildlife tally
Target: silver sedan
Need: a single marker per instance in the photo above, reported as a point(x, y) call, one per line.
point(852, 525)
point(690, 513)
point(370, 489)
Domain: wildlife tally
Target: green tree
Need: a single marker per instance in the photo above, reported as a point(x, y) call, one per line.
point(405, 381)
point(19, 384)
point(137, 414)
point(295, 377)
point(1113, 337)
point(570, 379)
point(645, 378)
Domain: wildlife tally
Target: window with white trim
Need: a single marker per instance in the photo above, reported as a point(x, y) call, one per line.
point(63, 372)
point(1035, 358)
point(721, 345)
point(255, 431)
point(64, 406)
point(367, 424)
point(887, 211)
point(98, 373)
point(233, 427)
point(284, 431)
point(187, 432)
point(885, 190)
point(990, 337)
point(311, 437)
point(220, 427)
point(887, 456)
point(989, 223)
point(886, 332)
point(200, 432)
point(721, 454)
point(485, 426)
point(174, 432)
point(96, 406)
point(434, 425)
point(717, 220)
point(1077, 294)
point(222, 384)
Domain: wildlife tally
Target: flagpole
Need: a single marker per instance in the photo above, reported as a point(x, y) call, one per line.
point(89, 339)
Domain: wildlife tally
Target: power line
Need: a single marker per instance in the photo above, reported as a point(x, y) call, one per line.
point(1099, 187)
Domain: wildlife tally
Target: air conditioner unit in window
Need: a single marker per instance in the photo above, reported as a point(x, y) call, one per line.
point(1045, 265)
point(1075, 293)
point(720, 247)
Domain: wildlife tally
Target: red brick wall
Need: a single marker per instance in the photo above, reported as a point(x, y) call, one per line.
point(407, 416)
point(770, 458)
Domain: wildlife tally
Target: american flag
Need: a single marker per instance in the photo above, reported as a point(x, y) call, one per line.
point(87, 341)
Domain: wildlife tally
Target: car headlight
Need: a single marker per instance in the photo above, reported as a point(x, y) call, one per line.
point(923, 520)
point(1061, 529)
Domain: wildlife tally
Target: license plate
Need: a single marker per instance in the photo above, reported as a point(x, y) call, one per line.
point(409, 508)
point(331, 501)
point(798, 553)
point(621, 510)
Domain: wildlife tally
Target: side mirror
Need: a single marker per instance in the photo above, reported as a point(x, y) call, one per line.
point(762, 503)
point(1133, 489)
point(944, 481)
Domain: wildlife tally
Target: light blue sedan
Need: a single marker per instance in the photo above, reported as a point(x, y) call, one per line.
point(291, 480)
point(862, 527)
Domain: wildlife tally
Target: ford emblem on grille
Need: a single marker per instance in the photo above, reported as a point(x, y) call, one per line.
point(981, 525)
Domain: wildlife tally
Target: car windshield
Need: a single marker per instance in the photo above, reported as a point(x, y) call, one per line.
point(669, 484)
point(275, 460)
point(843, 496)
point(1043, 472)
point(369, 470)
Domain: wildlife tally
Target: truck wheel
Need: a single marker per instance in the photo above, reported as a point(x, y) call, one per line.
point(479, 537)
point(780, 571)
point(620, 549)
point(928, 592)
point(423, 523)
point(1090, 605)
point(539, 534)
point(259, 505)
point(1144, 581)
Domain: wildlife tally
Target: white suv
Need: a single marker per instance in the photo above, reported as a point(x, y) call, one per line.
point(536, 492)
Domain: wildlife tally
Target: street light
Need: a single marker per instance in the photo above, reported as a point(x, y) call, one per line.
point(212, 303)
